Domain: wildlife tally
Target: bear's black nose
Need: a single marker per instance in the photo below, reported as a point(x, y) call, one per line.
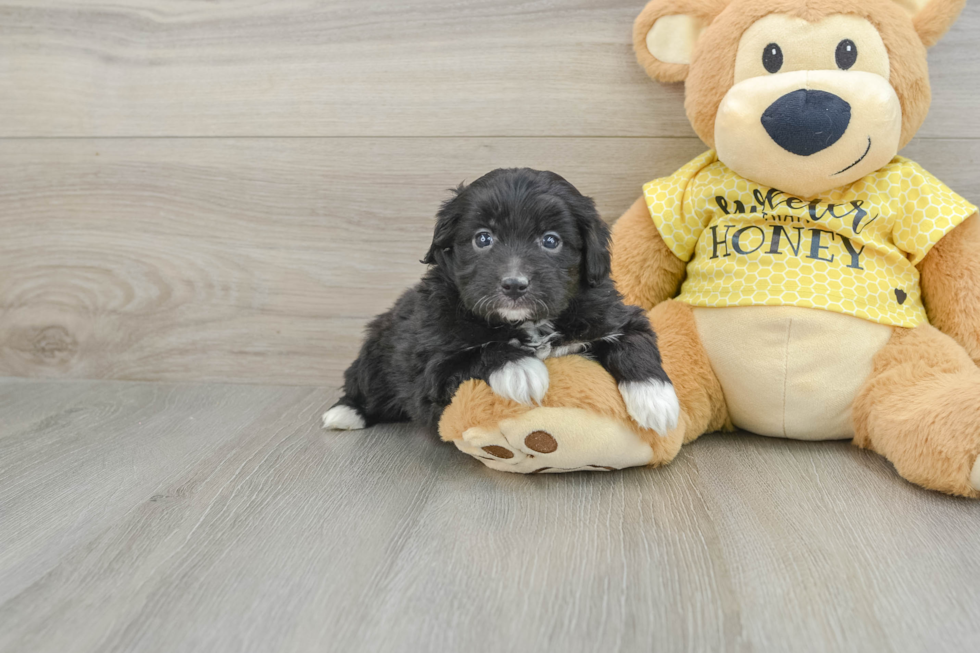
point(806, 122)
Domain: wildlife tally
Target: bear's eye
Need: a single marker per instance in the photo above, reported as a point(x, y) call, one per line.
point(847, 54)
point(483, 239)
point(772, 58)
point(551, 241)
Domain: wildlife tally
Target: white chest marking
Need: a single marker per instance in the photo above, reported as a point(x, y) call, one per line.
point(540, 336)
point(568, 350)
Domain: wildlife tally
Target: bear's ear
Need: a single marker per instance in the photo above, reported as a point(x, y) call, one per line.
point(932, 18)
point(665, 33)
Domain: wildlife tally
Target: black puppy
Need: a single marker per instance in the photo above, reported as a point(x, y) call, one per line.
point(519, 272)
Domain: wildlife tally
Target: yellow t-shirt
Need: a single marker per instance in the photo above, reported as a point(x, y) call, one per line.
point(851, 250)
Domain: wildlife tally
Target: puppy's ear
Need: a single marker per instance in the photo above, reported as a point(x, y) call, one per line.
point(444, 233)
point(596, 263)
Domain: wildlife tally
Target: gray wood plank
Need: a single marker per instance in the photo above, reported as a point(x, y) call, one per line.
point(259, 260)
point(353, 68)
point(280, 537)
point(108, 448)
point(129, 258)
point(880, 558)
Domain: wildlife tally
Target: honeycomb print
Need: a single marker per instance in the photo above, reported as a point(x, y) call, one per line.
point(851, 250)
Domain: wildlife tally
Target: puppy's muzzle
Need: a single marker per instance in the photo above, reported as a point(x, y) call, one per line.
point(514, 287)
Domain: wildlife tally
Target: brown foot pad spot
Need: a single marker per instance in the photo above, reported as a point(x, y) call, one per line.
point(499, 452)
point(541, 442)
point(543, 469)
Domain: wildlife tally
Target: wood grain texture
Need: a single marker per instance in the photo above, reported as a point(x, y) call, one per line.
point(220, 518)
point(110, 447)
point(349, 67)
point(260, 260)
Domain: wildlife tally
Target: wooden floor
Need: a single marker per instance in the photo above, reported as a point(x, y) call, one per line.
point(152, 517)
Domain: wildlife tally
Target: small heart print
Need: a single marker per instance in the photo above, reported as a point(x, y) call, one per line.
point(900, 296)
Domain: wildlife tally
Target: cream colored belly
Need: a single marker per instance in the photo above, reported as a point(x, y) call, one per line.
point(787, 371)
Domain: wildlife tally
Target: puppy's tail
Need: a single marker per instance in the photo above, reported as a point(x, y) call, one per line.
point(344, 416)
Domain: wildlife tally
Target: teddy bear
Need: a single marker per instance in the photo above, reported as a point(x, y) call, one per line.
point(804, 280)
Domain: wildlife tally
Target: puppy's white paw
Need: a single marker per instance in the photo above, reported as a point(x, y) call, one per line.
point(343, 418)
point(523, 381)
point(975, 476)
point(653, 404)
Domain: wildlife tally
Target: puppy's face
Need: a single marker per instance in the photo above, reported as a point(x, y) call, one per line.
point(518, 244)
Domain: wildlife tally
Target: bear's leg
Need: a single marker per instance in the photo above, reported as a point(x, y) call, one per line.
point(583, 422)
point(686, 362)
point(920, 409)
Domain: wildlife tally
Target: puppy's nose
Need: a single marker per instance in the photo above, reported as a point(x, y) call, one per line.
point(514, 287)
point(805, 122)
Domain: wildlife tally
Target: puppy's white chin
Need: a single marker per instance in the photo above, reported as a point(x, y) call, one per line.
point(514, 314)
point(653, 404)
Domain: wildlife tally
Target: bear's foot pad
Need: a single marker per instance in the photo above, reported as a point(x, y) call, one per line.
point(553, 441)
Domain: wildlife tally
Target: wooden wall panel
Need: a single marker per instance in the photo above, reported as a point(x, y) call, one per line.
point(259, 260)
point(363, 68)
point(227, 190)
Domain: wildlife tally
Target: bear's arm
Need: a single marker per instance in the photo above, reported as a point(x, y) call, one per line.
point(950, 281)
point(644, 269)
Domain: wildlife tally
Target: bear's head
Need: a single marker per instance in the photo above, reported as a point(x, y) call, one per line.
point(799, 95)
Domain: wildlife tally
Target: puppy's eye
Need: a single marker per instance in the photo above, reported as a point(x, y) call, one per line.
point(483, 239)
point(551, 241)
point(847, 54)
point(772, 58)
